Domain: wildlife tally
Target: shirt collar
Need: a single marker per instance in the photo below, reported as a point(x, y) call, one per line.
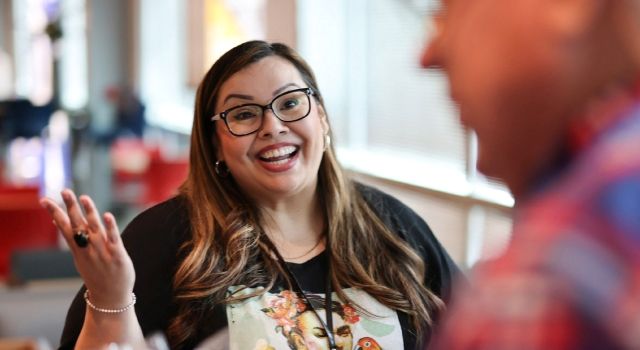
point(600, 116)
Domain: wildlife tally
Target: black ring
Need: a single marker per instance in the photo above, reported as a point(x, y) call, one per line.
point(81, 238)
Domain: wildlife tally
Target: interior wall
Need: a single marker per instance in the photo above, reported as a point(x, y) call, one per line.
point(108, 36)
point(6, 49)
point(281, 21)
point(5, 25)
point(469, 230)
point(132, 43)
point(107, 45)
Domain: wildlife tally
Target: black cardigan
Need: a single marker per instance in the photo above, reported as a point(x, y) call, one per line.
point(152, 240)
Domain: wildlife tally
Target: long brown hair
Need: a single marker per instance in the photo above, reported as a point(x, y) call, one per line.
point(228, 246)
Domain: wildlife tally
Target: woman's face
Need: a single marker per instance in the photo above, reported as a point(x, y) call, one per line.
point(281, 159)
point(315, 336)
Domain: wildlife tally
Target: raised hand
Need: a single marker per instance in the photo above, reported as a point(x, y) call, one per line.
point(97, 249)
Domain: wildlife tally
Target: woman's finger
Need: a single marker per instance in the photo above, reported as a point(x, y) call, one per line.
point(95, 230)
point(76, 217)
point(92, 216)
point(60, 218)
point(116, 245)
point(113, 234)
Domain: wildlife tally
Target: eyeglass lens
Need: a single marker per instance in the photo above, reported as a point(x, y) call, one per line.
point(288, 107)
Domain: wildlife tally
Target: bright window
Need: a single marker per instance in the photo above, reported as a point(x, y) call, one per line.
point(394, 120)
point(391, 118)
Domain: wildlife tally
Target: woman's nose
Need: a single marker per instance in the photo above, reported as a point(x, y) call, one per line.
point(271, 125)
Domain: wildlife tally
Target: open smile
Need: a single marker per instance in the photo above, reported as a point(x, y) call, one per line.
point(280, 155)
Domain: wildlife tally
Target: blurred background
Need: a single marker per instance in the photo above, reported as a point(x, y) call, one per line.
point(97, 96)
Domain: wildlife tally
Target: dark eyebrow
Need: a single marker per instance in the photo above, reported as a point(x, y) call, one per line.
point(282, 88)
point(244, 97)
point(250, 98)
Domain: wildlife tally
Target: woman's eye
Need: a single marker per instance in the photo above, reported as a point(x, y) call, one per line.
point(243, 116)
point(289, 104)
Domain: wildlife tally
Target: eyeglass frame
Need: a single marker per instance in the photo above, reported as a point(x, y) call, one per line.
point(223, 115)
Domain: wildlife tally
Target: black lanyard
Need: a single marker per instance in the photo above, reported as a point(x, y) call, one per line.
point(328, 326)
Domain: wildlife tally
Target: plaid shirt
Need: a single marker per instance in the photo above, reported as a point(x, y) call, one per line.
point(570, 279)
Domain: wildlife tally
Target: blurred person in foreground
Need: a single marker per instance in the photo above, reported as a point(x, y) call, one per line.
point(266, 222)
point(552, 89)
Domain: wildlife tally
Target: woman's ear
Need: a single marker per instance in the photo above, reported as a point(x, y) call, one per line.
point(323, 120)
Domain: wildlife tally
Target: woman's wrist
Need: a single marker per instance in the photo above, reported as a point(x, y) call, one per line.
point(107, 310)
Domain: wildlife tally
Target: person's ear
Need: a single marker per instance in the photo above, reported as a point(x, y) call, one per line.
point(431, 56)
point(572, 18)
point(323, 120)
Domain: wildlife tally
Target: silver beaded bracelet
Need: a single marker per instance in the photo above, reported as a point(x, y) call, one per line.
point(110, 311)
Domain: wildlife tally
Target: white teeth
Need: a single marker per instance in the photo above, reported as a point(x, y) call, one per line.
point(280, 162)
point(278, 152)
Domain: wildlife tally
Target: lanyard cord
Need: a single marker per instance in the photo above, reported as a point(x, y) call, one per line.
point(328, 326)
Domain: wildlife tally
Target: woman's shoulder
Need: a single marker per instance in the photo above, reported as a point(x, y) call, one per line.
point(412, 228)
point(375, 196)
point(168, 214)
point(389, 208)
point(164, 224)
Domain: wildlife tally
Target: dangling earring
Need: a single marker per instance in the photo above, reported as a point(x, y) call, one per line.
point(326, 141)
point(221, 168)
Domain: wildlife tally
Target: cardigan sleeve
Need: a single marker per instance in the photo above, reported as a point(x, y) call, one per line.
point(152, 240)
point(441, 271)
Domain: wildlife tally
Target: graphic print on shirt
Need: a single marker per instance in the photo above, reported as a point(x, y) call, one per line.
point(285, 321)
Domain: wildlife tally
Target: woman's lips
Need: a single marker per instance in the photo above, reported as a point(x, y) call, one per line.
point(278, 154)
point(280, 158)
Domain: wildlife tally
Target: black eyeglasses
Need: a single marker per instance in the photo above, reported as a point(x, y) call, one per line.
point(246, 119)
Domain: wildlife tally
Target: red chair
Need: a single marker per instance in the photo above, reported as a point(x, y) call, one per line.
point(162, 179)
point(129, 160)
point(24, 224)
point(142, 176)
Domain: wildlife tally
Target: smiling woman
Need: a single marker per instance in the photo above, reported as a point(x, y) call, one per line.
point(266, 223)
point(280, 154)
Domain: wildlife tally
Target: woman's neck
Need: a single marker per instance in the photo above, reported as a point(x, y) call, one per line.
point(295, 226)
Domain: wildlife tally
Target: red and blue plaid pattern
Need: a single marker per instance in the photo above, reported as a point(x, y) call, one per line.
point(570, 278)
